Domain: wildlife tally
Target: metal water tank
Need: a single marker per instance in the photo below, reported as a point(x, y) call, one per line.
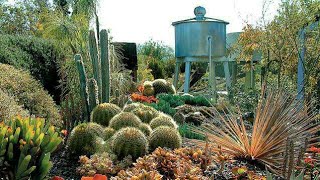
point(191, 36)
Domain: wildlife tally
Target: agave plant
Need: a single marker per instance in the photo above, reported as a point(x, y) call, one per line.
point(278, 119)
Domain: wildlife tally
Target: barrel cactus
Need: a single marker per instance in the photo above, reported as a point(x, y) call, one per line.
point(145, 128)
point(124, 119)
point(103, 113)
point(129, 141)
point(96, 128)
point(163, 120)
point(108, 133)
point(162, 86)
point(165, 136)
point(146, 113)
point(131, 107)
point(83, 141)
point(148, 89)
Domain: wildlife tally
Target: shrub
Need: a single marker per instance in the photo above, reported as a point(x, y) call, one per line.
point(103, 113)
point(9, 108)
point(38, 56)
point(29, 93)
point(124, 119)
point(164, 136)
point(163, 120)
point(146, 113)
point(129, 141)
point(185, 130)
point(108, 133)
point(83, 141)
point(26, 146)
point(145, 128)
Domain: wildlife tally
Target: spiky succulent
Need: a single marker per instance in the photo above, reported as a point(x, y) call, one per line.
point(146, 113)
point(163, 120)
point(129, 141)
point(83, 141)
point(162, 86)
point(124, 119)
point(96, 128)
point(145, 128)
point(148, 89)
point(131, 107)
point(164, 136)
point(103, 113)
point(108, 133)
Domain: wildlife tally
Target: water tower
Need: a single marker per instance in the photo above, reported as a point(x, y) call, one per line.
point(199, 39)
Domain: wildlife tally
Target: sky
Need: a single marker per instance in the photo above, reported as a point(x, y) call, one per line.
point(141, 20)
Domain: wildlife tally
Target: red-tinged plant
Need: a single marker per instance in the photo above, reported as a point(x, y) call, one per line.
point(278, 117)
point(57, 178)
point(140, 98)
point(95, 177)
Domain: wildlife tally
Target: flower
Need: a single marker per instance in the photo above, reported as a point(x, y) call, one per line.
point(57, 178)
point(314, 149)
point(64, 132)
point(309, 160)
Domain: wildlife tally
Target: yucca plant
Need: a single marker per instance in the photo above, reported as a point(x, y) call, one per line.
point(279, 117)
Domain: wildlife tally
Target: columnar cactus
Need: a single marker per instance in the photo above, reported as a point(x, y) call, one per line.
point(26, 145)
point(93, 94)
point(105, 66)
point(129, 141)
point(124, 119)
point(163, 120)
point(103, 113)
point(165, 136)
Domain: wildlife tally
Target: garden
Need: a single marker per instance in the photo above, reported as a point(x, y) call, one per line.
point(72, 107)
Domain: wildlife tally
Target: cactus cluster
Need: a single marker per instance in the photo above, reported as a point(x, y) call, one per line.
point(145, 113)
point(103, 113)
point(145, 128)
point(148, 89)
point(97, 89)
point(108, 133)
point(131, 107)
point(83, 140)
point(163, 120)
point(26, 145)
point(162, 86)
point(164, 136)
point(129, 141)
point(124, 119)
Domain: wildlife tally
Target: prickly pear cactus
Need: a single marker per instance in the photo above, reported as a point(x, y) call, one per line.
point(165, 136)
point(124, 119)
point(129, 141)
point(163, 120)
point(26, 145)
point(103, 113)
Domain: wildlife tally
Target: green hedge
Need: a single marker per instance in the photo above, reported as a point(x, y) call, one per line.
point(39, 56)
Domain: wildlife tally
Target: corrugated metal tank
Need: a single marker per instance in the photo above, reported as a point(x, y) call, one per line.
point(191, 36)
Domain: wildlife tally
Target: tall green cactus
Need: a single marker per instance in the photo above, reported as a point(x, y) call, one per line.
point(105, 66)
point(95, 60)
point(26, 145)
point(93, 93)
point(83, 85)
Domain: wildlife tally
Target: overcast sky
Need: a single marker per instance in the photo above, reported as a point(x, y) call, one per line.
point(140, 20)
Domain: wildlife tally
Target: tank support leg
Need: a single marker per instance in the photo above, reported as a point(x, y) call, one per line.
point(187, 77)
point(176, 74)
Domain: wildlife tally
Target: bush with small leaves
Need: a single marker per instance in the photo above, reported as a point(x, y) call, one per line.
point(146, 113)
point(165, 136)
point(124, 119)
point(129, 141)
point(108, 133)
point(163, 120)
point(145, 128)
point(83, 141)
point(103, 113)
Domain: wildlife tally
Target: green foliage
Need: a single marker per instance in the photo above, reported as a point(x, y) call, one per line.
point(146, 113)
point(129, 141)
point(164, 136)
point(124, 119)
point(83, 140)
point(145, 128)
point(186, 132)
point(29, 93)
point(103, 113)
point(9, 108)
point(108, 133)
point(163, 120)
point(26, 145)
point(40, 57)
